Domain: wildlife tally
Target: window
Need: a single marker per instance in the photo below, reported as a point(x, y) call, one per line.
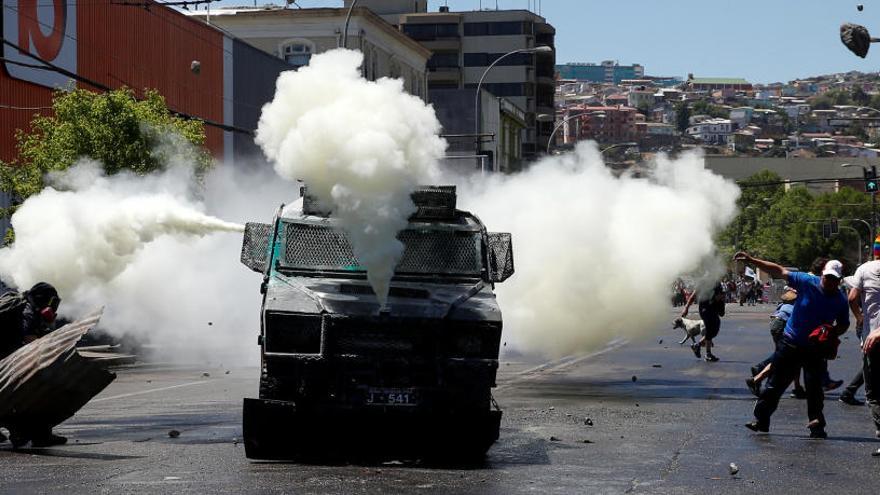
point(506, 89)
point(428, 32)
point(486, 59)
point(297, 52)
point(443, 60)
point(497, 28)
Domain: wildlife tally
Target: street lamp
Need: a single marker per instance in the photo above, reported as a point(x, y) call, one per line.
point(618, 145)
point(347, 20)
point(873, 200)
point(599, 115)
point(477, 109)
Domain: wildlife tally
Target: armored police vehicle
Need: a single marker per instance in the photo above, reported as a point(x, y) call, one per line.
point(342, 375)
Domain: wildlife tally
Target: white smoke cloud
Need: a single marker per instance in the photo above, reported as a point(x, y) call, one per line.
point(360, 146)
point(154, 252)
point(595, 255)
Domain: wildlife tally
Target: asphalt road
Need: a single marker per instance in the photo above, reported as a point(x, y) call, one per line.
point(675, 429)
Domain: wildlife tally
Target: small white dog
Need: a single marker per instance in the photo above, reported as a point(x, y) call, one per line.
point(692, 328)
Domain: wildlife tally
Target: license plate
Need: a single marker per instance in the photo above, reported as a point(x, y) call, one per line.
point(392, 397)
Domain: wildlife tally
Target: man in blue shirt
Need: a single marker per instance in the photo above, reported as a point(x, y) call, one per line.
point(820, 302)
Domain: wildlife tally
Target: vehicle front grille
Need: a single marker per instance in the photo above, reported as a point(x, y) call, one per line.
point(415, 338)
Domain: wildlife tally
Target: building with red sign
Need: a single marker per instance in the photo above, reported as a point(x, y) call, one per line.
point(99, 44)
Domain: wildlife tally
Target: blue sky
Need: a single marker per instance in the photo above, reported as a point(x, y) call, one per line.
point(760, 40)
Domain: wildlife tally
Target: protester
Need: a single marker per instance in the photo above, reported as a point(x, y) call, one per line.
point(25, 317)
point(865, 290)
point(711, 307)
point(864, 301)
point(778, 320)
point(820, 310)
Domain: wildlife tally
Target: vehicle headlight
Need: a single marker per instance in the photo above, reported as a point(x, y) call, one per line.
point(293, 333)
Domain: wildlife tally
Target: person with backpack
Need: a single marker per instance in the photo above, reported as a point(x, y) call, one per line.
point(24, 318)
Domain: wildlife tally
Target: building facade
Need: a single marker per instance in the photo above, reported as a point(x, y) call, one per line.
point(296, 34)
point(499, 118)
point(114, 45)
point(609, 72)
point(464, 44)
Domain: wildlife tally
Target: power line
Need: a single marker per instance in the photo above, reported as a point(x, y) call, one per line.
point(143, 71)
point(54, 68)
point(13, 107)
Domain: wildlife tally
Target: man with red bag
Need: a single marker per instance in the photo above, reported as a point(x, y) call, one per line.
point(820, 315)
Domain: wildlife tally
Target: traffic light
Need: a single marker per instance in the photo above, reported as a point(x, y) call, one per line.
point(871, 184)
point(834, 228)
point(826, 230)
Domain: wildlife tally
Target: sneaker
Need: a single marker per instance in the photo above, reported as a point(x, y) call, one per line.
point(798, 393)
point(832, 384)
point(755, 371)
point(754, 386)
point(2, 437)
point(817, 430)
point(696, 349)
point(711, 358)
point(48, 440)
point(818, 433)
point(876, 453)
point(757, 427)
point(850, 400)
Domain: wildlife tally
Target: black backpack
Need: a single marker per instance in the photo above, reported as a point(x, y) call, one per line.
point(11, 306)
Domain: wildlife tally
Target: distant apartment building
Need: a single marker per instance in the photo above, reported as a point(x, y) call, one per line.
point(295, 35)
point(609, 71)
point(607, 124)
point(712, 131)
point(464, 44)
point(718, 83)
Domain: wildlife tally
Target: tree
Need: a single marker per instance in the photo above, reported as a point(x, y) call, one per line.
point(115, 128)
point(682, 116)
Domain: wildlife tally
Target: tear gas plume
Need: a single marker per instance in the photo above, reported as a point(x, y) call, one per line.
point(88, 230)
point(360, 146)
point(596, 254)
point(153, 251)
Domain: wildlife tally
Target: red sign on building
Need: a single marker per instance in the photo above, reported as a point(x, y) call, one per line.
point(45, 29)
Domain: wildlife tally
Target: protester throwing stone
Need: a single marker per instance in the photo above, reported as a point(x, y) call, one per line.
point(820, 314)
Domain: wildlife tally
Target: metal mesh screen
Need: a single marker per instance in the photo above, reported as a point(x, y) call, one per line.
point(255, 246)
point(500, 256)
point(316, 247)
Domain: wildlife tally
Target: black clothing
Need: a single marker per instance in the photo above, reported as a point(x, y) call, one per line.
point(871, 373)
point(711, 311)
point(777, 327)
point(21, 318)
point(787, 361)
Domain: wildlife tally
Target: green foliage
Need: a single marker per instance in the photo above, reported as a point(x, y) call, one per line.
point(786, 226)
point(828, 99)
point(703, 107)
point(115, 128)
point(682, 116)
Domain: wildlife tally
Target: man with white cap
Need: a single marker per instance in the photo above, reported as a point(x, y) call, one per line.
point(820, 306)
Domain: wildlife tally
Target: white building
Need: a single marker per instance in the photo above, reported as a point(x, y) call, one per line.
point(297, 34)
point(712, 131)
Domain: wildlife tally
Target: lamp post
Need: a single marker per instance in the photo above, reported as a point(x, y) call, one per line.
point(618, 145)
point(477, 109)
point(347, 20)
point(873, 201)
point(600, 115)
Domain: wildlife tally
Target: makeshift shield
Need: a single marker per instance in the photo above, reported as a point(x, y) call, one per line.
point(46, 381)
